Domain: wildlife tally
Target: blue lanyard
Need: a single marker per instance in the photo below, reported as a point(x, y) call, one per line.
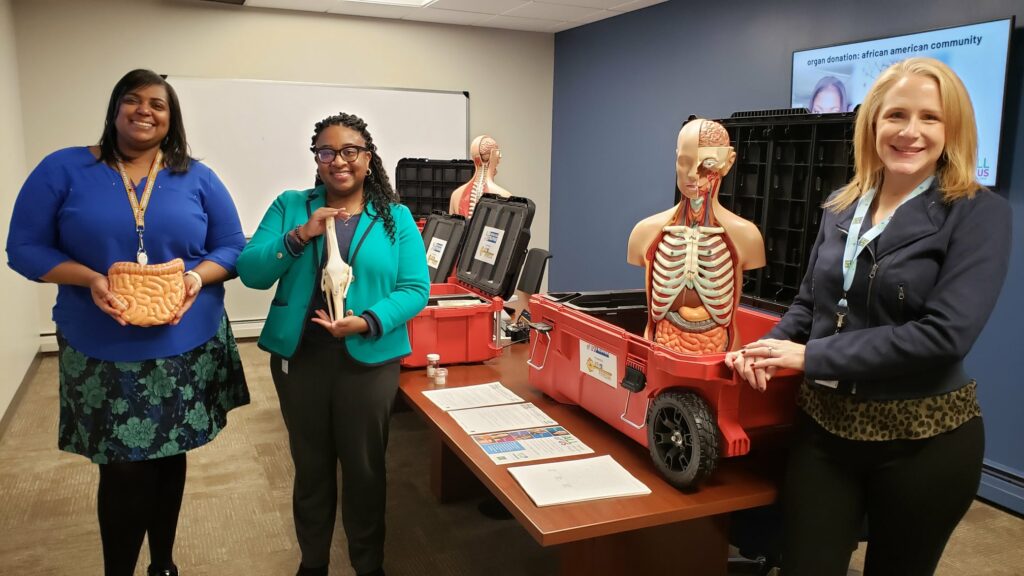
point(855, 243)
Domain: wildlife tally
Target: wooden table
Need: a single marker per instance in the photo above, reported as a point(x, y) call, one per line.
point(666, 532)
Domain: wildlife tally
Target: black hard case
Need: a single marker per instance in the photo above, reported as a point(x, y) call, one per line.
point(450, 228)
point(511, 217)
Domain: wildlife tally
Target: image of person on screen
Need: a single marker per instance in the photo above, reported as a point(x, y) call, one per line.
point(135, 400)
point(336, 374)
point(906, 268)
point(828, 96)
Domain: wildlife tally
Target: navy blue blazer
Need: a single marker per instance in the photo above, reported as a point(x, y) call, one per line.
point(922, 293)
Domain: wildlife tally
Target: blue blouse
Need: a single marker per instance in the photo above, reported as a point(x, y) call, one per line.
point(73, 207)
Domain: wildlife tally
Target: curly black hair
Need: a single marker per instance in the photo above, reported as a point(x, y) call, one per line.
point(377, 188)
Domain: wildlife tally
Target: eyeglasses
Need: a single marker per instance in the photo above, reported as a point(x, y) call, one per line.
point(327, 155)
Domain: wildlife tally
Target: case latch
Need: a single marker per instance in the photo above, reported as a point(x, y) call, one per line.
point(634, 380)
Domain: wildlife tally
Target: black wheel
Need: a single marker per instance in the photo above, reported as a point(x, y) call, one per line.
point(682, 437)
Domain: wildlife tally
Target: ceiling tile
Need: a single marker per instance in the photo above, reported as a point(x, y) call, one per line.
point(562, 26)
point(446, 16)
point(595, 16)
point(634, 5)
point(536, 16)
point(480, 6)
point(545, 11)
point(307, 5)
point(603, 4)
point(368, 9)
point(517, 23)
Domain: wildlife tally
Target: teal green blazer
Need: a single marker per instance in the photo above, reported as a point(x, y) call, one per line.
point(391, 279)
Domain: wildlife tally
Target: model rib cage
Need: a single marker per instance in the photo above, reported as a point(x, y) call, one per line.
point(695, 259)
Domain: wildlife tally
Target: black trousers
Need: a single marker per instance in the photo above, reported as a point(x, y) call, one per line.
point(337, 410)
point(912, 492)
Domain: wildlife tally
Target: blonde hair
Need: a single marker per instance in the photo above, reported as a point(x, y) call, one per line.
point(956, 165)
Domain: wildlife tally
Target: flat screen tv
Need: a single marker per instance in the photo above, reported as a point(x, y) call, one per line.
point(836, 78)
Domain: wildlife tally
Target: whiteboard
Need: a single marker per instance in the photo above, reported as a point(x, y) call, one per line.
point(255, 134)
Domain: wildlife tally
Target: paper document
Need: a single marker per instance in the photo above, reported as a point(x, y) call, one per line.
point(459, 303)
point(490, 394)
point(497, 418)
point(530, 444)
point(577, 481)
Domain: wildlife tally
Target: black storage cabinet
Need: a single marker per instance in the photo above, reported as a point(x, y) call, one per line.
point(787, 164)
point(426, 185)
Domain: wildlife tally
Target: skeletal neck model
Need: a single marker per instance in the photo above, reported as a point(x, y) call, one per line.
point(480, 187)
point(486, 155)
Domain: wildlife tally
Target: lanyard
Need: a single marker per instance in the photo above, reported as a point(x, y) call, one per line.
point(855, 243)
point(139, 207)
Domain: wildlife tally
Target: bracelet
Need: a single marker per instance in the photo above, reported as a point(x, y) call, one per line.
point(195, 275)
point(299, 236)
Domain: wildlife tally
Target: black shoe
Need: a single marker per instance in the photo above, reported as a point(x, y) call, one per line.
point(303, 571)
point(172, 571)
point(377, 572)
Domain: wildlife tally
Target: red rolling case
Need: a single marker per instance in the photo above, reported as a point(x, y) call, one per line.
point(588, 349)
point(461, 320)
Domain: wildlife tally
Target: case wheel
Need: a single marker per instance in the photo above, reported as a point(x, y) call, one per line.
point(682, 438)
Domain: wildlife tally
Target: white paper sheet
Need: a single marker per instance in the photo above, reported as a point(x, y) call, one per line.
point(459, 303)
point(498, 418)
point(577, 481)
point(530, 444)
point(489, 394)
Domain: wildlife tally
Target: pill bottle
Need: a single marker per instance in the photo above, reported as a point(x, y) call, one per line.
point(433, 362)
point(440, 376)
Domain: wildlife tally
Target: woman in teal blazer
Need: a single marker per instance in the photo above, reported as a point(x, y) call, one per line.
point(337, 379)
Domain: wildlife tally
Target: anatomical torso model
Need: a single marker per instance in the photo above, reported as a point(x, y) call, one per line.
point(486, 155)
point(695, 253)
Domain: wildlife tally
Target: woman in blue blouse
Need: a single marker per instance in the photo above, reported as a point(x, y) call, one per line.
point(337, 379)
point(134, 400)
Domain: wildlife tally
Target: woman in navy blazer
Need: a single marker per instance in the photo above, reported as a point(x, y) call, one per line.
point(906, 269)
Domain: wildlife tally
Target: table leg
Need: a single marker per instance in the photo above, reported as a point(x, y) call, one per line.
point(696, 547)
point(450, 478)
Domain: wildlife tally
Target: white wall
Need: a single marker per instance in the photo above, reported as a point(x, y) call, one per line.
point(72, 52)
point(19, 334)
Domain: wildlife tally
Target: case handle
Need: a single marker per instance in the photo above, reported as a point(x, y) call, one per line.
point(625, 411)
point(542, 329)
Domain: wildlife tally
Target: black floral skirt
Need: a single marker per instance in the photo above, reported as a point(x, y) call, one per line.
point(132, 411)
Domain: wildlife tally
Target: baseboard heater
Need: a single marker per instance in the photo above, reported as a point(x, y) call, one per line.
point(1003, 487)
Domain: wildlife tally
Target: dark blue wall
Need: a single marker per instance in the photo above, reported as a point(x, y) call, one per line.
point(624, 85)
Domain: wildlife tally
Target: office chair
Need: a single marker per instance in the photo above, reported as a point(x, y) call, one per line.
point(532, 275)
point(530, 279)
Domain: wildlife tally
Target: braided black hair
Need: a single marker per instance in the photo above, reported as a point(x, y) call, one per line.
point(377, 188)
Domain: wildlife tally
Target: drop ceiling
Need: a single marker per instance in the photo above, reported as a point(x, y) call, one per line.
point(546, 16)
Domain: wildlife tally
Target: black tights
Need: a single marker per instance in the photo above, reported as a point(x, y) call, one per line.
point(136, 498)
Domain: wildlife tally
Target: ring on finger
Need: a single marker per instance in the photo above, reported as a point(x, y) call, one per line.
point(771, 352)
